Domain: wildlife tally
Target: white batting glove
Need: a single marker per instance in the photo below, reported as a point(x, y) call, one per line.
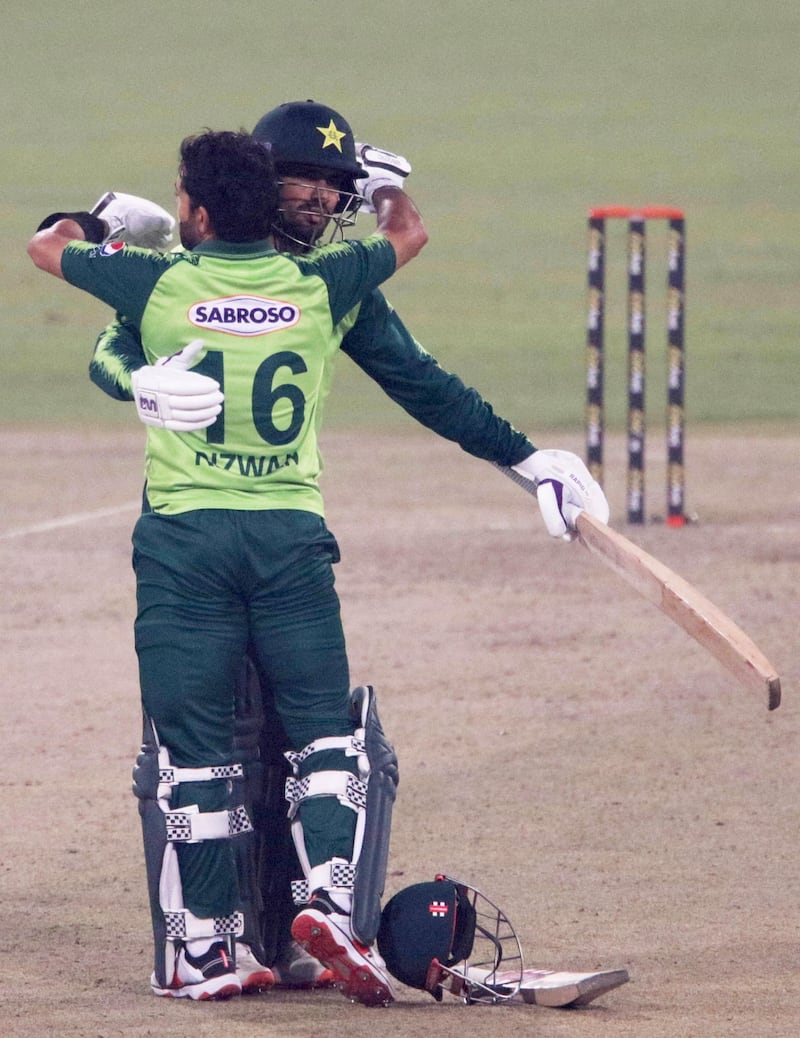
point(564, 488)
point(135, 221)
point(169, 396)
point(384, 169)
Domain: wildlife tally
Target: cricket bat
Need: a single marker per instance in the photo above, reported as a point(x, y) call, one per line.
point(683, 604)
point(679, 599)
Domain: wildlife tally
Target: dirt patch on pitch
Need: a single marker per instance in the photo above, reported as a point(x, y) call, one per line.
point(563, 746)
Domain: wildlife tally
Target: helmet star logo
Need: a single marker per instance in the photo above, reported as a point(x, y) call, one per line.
point(332, 136)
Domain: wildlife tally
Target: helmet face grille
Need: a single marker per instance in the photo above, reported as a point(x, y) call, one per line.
point(344, 215)
point(492, 969)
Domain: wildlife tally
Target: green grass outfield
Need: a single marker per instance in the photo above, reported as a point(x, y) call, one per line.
point(517, 118)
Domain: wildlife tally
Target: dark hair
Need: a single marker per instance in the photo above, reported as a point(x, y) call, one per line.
point(233, 176)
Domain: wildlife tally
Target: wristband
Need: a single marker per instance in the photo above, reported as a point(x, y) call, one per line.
point(92, 226)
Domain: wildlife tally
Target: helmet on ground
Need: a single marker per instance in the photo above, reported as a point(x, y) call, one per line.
point(447, 936)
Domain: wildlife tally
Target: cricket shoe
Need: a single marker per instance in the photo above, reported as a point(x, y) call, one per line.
point(295, 968)
point(252, 975)
point(211, 975)
point(326, 934)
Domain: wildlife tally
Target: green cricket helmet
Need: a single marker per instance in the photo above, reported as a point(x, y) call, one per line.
point(447, 936)
point(304, 133)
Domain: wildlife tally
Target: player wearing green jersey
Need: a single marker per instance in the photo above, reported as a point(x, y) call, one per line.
point(234, 549)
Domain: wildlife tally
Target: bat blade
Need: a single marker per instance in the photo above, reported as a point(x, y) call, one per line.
point(558, 989)
point(683, 604)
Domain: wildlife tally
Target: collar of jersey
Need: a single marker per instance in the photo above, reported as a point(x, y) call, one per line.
point(234, 249)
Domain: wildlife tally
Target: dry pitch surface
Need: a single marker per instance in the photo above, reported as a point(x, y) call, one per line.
point(563, 746)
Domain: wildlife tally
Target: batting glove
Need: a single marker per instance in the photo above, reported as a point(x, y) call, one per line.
point(384, 169)
point(169, 396)
point(564, 488)
point(135, 221)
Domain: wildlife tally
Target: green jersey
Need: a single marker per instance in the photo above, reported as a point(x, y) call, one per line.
point(272, 325)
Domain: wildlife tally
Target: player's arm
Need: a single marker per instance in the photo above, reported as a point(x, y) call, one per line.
point(47, 246)
point(114, 217)
point(118, 352)
point(381, 345)
point(398, 219)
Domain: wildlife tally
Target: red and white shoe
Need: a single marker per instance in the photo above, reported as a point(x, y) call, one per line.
point(360, 971)
point(210, 976)
point(252, 975)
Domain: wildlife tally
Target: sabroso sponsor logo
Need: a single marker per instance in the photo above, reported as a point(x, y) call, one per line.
point(244, 315)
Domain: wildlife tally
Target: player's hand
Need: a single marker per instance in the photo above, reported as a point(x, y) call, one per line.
point(564, 488)
point(135, 221)
point(169, 396)
point(384, 169)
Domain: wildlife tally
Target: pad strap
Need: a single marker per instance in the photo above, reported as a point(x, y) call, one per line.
point(331, 875)
point(188, 825)
point(352, 747)
point(182, 925)
point(174, 776)
point(169, 776)
point(343, 785)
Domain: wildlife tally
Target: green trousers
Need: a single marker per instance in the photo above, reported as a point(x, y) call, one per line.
point(209, 584)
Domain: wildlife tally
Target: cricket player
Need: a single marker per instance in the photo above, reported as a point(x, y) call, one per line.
point(233, 550)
